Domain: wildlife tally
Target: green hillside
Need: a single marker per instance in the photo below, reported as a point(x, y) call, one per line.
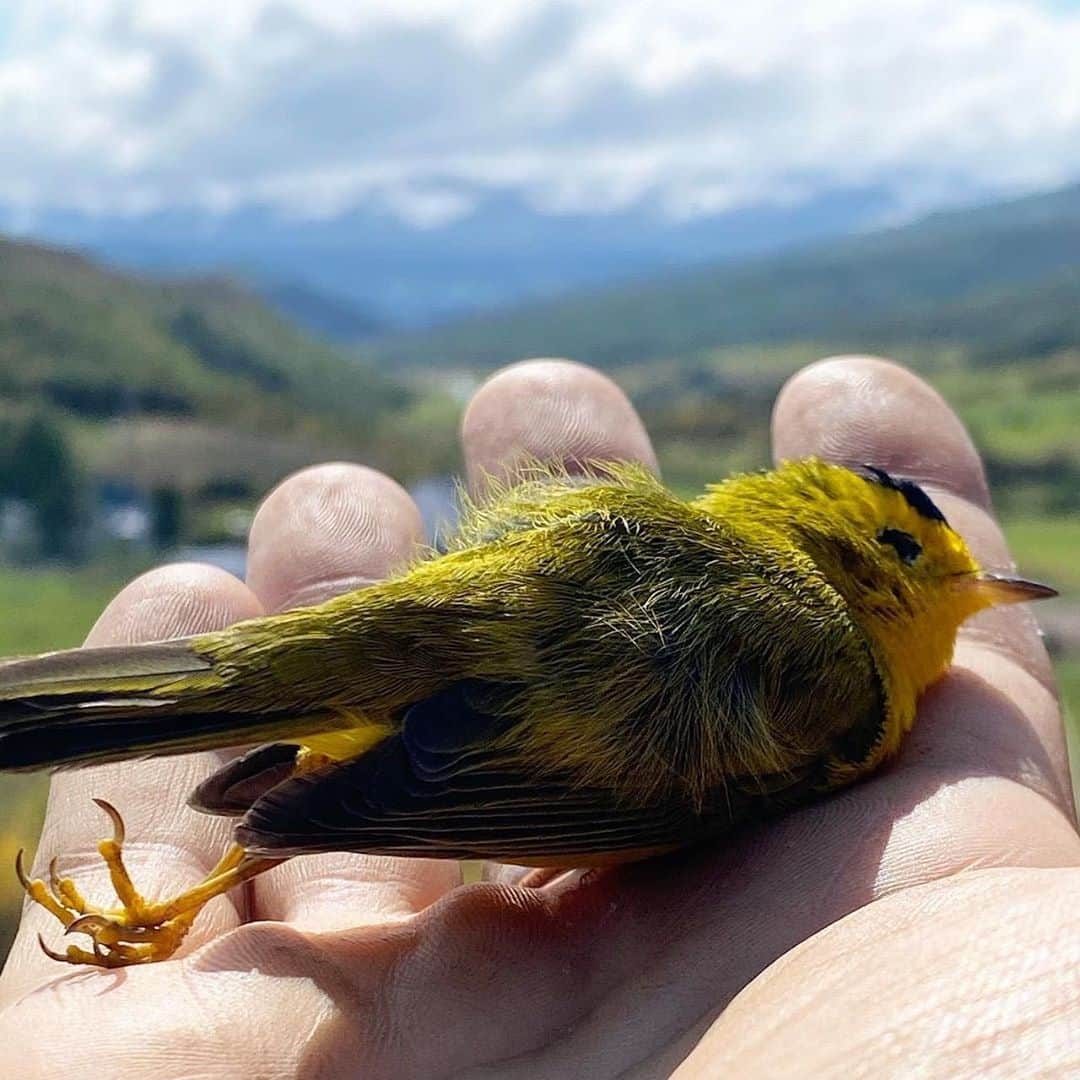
point(1001, 280)
point(113, 356)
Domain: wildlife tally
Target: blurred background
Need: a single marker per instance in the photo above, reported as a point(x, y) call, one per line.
point(238, 238)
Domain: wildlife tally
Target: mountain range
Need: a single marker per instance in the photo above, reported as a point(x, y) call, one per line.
point(1000, 281)
point(505, 278)
point(361, 271)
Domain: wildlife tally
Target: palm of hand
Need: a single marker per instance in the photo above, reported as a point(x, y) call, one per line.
point(931, 872)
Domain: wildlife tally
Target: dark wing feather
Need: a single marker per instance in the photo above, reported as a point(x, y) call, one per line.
point(438, 790)
point(235, 787)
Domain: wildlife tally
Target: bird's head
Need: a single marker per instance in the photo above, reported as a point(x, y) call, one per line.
point(908, 579)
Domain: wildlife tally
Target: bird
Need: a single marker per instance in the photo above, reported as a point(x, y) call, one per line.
point(593, 670)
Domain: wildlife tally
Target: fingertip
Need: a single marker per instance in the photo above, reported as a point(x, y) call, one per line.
point(324, 531)
point(856, 409)
point(327, 529)
point(551, 410)
point(172, 601)
point(863, 409)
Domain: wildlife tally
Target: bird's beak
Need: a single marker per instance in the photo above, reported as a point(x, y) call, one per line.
point(994, 589)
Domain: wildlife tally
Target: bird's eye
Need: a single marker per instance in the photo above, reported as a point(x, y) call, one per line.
point(907, 547)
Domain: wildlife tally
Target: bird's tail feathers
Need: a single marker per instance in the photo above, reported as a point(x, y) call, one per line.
point(105, 704)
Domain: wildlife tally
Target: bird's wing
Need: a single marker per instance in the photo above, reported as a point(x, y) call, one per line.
point(439, 789)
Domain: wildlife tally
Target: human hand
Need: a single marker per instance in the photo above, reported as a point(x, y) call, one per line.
point(947, 884)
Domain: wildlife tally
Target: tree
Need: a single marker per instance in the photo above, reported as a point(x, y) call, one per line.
point(46, 476)
point(166, 516)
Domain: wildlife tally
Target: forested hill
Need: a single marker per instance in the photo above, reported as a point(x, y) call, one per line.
point(193, 383)
point(99, 345)
point(1001, 281)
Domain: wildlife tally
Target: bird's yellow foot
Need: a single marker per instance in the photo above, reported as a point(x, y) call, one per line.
point(139, 931)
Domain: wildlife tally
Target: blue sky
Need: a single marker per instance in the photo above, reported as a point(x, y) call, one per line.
point(415, 106)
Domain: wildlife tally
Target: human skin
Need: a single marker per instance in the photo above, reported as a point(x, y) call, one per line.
point(928, 918)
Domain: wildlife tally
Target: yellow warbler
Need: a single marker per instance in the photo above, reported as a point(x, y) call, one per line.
point(596, 671)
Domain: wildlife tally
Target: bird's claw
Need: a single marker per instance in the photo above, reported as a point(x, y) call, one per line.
point(20, 870)
point(119, 832)
point(138, 931)
point(87, 924)
point(119, 937)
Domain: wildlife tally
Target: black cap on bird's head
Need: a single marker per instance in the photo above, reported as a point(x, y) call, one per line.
point(879, 538)
point(913, 495)
point(991, 588)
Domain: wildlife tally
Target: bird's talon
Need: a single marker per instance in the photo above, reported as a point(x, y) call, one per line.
point(107, 930)
point(39, 892)
point(51, 953)
point(63, 889)
point(138, 931)
point(116, 945)
point(71, 896)
point(90, 924)
point(20, 871)
point(99, 958)
point(119, 832)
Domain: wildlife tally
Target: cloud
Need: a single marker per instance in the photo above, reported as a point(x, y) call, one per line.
point(417, 105)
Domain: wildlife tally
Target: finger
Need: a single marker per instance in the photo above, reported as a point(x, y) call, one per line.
point(329, 529)
point(846, 407)
point(554, 411)
point(551, 410)
point(169, 846)
point(856, 410)
point(322, 532)
point(862, 409)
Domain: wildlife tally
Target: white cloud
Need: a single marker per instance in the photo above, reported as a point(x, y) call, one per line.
point(122, 105)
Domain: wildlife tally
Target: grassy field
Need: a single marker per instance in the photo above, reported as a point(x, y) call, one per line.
point(1048, 548)
point(1068, 673)
point(51, 609)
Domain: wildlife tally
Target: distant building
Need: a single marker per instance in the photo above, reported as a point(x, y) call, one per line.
point(17, 531)
point(121, 512)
